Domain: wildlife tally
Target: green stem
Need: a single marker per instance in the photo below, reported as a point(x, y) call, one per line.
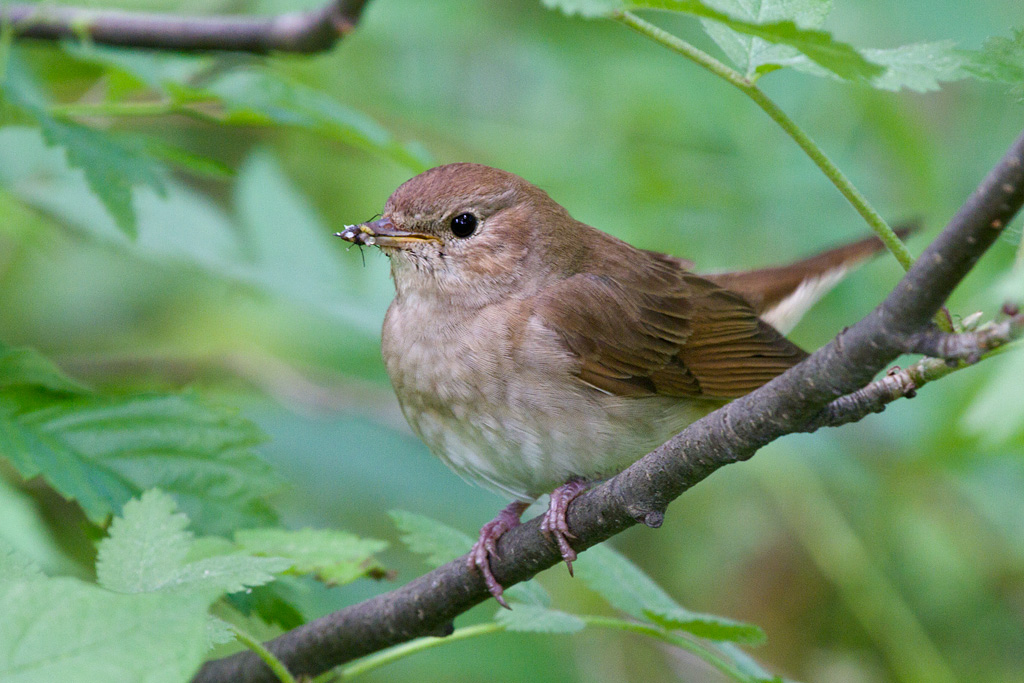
point(272, 662)
point(406, 649)
point(749, 88)
point(413, 646)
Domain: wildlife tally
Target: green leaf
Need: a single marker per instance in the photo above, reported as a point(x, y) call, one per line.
point(15, 566)
point(706, 625)
point(218, 632)
point(335, 557)
point(442, 544)
point(254, 95)
point(630, 590)
point(146, 545)
point(275, 603)
point(112, 168)
point(919, 66)
point(259, 97)
point(197, 164)
point(187, 228)
point(152, 69)
point(35, 451)
point(146, 552)
point(26, 533)
point(536, 619)
point(102, 451)
point(27, 368)
point(1000, 59)
point(819, 46)
point(425, 536)
point(68, 630)
point(748, 664)
point(750, 53)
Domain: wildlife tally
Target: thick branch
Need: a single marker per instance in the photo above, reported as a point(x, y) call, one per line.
point(641, 493)
point(304, 32)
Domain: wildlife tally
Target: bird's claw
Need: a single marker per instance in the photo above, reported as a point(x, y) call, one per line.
point(554, 524)
point(486, 547)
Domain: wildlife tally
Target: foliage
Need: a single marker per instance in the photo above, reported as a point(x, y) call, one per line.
point(171, 297)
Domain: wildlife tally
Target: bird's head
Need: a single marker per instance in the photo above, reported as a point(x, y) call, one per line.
point(472, 233)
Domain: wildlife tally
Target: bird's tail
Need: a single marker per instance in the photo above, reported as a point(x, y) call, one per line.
point(781, 295)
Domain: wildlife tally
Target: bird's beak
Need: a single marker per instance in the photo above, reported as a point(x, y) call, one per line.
point(383, 233)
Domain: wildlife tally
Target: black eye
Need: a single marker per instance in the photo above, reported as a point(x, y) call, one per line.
point(464, 225)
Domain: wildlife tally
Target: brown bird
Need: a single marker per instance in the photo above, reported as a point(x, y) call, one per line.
point(535, 354)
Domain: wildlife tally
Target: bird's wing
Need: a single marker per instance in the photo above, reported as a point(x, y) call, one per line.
point(781, 295)
point(666, 332)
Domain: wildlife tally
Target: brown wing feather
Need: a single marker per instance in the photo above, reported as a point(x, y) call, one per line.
point(669, 333)
point(767, 287)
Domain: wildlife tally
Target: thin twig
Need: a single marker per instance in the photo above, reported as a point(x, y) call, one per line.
point(967, 347)
point(303, 32)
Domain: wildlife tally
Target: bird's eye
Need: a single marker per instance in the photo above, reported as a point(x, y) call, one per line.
point(464, 225)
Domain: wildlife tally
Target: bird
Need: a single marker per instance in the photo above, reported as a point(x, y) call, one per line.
point(534, 354)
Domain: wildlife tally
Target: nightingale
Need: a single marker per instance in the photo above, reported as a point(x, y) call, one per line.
point(535, 354)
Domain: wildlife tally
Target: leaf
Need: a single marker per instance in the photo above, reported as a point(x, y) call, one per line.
point(145, 546)
point(275, 603)
point(27, 368)
point(536, 619)
point(111, 168)
point(750, 53)
point(187, 228)
point(706, 625)
point(150, 68)
point(67, 630)
point(442, 544)
point(819, 46)
point(335, 557)
point(425, 536)
point(197, 164)
point(26, 533)
point(1000, 59)
point(253, 96)
point(747, 664)
point(33, 452)
point(218, 632)
point(17, 567)
point(630, 590)
point(919, 67)
point(146, 552)
point(102, 451)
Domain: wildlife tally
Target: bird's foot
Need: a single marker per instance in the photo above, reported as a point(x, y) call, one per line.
point(554, 524)
point(486, 546)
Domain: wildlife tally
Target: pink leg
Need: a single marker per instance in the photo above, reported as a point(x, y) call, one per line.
point(485, 546)
point(554, 523)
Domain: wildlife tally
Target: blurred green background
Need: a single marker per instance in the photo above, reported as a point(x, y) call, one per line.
point(881, 551)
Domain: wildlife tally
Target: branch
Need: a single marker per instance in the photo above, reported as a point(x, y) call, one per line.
point(946, 350)
point(304, 32)
point(641, 493)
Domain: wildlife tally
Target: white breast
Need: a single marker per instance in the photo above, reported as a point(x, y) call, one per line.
point(517, 424)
